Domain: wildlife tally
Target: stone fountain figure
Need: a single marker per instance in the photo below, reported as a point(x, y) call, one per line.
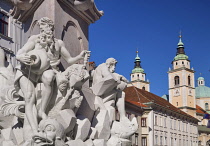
point(45, 101)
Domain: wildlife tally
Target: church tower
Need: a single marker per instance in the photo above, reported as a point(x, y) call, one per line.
point(181, 82)
point(138, 77)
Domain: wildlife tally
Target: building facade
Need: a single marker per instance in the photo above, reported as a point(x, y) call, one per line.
point(184, 95)
point(161, 123)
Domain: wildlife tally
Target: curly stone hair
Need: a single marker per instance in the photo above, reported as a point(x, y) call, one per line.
point(46, 20)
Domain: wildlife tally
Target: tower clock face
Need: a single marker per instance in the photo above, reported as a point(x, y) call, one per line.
point(176, 92)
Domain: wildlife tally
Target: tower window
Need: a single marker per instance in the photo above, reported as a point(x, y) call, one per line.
point(177, 103)
point(133, 76)
point(138, 75)
point(3, 24)
point(182, 62)
point(176, 80)
point(143, 88)
point(189, 80)
point(176, 63)
point(206, 106)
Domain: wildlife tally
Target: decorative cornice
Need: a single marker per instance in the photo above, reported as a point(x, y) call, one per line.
point(7, 50)
point(181, 68)
point(22, 15)
point(182, 86)
point(187, 107)
point(90, 15)
point(5, 37)
point(139, 81)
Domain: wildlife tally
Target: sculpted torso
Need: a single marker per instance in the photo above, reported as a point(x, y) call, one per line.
point(53, 52)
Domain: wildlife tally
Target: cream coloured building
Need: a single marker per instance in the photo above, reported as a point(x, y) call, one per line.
point(184, 95)
point(138, 76)
point(181, 82)
point(160, 123)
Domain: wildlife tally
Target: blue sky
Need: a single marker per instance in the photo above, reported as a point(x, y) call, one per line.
point(152, 26)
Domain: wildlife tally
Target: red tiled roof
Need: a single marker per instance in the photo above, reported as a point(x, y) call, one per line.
point(200, 110)
point(92, 62)
point(136, 103)
point(135, 95)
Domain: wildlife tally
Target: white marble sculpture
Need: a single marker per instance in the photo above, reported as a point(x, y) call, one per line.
point(47, 105)
point(108, 87)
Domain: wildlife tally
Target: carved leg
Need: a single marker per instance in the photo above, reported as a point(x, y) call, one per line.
point(47, 79)
point(28, 90)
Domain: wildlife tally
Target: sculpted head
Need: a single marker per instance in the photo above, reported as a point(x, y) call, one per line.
point(46, 24)
point(49, 131)
point(62, 82)
point(111, 64)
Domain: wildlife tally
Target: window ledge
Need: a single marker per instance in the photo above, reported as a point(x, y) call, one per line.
point(5, 37)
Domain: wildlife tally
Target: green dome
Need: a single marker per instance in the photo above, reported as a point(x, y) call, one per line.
point(200, 78)
point(202, 91)
point(181, 57)
point(137, 58)
point(138, 70)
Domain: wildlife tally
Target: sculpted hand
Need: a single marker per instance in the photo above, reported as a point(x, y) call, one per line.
point(82, 54)
point(24, 58)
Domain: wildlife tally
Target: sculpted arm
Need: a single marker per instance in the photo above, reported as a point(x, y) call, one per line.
point(22, 55)
point(66, 55)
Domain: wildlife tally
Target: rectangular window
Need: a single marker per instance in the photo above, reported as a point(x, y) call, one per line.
point(143, 122)
point(165, 122)
point(136, 138)
point(144, 141)
point(161, 140)
point(165, 141)
point(3, 24)
point(156, 122)
point(172, 142)
point(156, 140)
point(175, 124)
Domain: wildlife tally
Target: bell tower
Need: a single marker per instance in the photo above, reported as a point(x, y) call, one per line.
point(181, 82)
point(138, 77)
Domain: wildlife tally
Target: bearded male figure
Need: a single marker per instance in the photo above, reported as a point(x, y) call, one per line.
point(27, 81)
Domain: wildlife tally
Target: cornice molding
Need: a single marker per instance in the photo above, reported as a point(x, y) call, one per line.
point(181, 68)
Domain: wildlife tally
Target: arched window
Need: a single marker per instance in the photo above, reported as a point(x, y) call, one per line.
point(206, 106)
point(176, 80)
point(189, 80)
point(143, 88)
